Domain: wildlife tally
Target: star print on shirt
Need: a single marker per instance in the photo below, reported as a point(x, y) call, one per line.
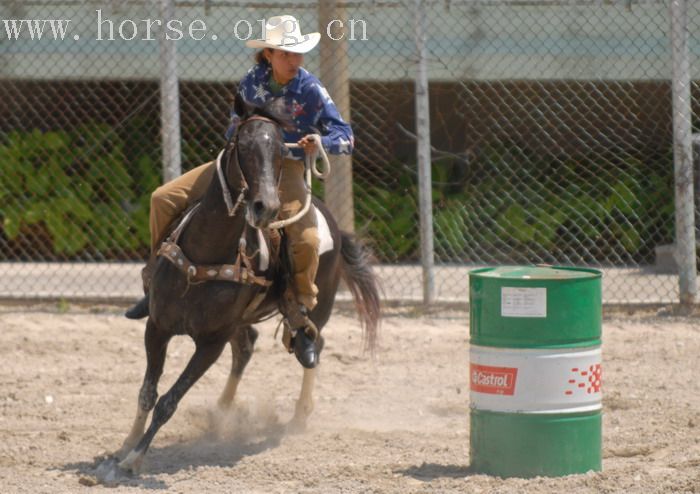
point(343, 145)
point(260, 92)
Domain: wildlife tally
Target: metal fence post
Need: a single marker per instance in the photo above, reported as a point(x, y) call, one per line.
point(169, 98)
point(696, 177)
point(423, 154)
point(335, 74)
point(682, 154)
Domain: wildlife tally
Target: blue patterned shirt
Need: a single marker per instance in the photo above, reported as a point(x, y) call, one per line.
point(309, 104)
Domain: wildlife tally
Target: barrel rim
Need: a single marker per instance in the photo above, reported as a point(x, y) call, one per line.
point(549, 345)
point(544, 417)
point(486, 271)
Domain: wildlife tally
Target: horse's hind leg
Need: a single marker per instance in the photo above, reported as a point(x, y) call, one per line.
point(156, 346)
point(205, 355)
point(242, 345)
point(305, 403)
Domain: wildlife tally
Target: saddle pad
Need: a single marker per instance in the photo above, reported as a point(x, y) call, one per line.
point(324, 234)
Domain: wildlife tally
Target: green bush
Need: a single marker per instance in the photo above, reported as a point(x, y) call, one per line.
point(74, 191)
point(510, 207)
point(389, 219)
point(85, 194)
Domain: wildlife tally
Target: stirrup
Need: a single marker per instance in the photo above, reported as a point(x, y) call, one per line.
point(297, 318)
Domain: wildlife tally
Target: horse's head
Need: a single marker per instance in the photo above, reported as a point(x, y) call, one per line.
point(254, 157)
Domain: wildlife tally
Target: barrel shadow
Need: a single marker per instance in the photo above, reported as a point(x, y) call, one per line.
point(432, 471)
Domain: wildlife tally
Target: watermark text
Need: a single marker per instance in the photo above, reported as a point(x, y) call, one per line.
point(108, 29)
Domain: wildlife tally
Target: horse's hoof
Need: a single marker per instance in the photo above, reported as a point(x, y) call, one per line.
point(132, 463)
point(305, 350)
point(109, 473)
point(224, 405)
point(297, 425)
point(139, 310)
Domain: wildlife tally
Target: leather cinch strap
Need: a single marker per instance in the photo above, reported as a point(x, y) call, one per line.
point(203, 272)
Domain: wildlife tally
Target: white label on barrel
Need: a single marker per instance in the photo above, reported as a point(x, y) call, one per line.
point(535, 380)
point(523, 302)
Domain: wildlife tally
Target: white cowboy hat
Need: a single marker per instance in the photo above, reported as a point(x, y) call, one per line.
point(282, 32)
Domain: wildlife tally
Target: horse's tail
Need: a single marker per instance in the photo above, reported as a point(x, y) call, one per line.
point(363, 284)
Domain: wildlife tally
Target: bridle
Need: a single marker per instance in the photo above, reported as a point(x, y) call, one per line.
point(310, 166)
point(232, 145)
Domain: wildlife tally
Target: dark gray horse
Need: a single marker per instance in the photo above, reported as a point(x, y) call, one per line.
point(190, 293)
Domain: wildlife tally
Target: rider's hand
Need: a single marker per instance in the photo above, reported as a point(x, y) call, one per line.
point(308, 144)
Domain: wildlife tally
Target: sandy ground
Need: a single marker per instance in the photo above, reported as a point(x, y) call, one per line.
point(69, 379)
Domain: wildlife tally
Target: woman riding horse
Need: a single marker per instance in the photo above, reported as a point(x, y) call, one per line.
point(209, 281)
point(278, 72)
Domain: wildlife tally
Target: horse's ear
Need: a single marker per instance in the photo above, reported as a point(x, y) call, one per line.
point(241, 107)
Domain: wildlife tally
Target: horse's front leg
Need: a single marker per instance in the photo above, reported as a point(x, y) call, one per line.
point(156, 347)
point(204, 356)
point(242, 345)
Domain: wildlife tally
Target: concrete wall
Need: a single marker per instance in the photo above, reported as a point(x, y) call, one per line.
point(466, 42)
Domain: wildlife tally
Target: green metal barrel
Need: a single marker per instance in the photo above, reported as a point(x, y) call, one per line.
point(535, 371)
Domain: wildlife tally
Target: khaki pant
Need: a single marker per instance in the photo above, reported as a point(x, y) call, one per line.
point(171, 199)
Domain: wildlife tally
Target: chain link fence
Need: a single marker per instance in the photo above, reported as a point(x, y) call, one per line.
point(550, 124)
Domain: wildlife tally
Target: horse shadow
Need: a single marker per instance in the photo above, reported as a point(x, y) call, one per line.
point(208, 451)
point(205, 450)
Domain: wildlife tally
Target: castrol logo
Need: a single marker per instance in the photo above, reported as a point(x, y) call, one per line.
point(493, 380)
point(539, 380)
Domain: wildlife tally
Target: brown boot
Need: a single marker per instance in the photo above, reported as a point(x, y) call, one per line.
point(141, 308)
